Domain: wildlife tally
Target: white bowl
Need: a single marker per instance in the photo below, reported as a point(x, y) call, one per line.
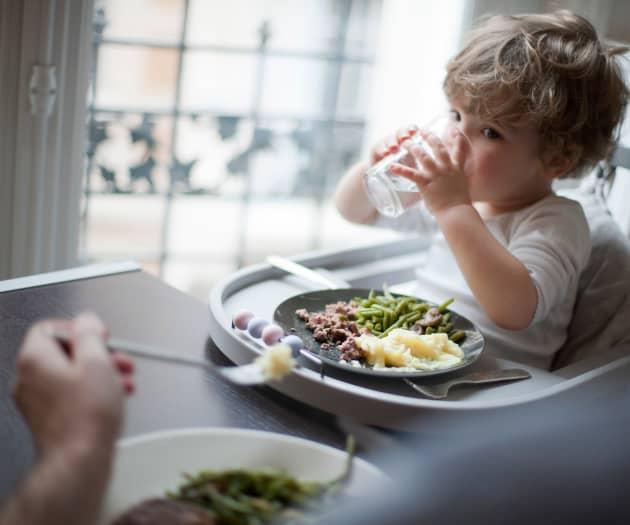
point(147, 466)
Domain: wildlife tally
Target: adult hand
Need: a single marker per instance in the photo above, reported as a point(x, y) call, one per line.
point(71, 395)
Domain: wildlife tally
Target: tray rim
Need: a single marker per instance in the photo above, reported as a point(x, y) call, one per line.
point(388, 410)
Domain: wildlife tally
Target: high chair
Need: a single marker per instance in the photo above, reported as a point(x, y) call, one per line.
point(599, 330)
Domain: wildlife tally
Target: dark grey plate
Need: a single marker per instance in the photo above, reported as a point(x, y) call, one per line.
point(316, 301)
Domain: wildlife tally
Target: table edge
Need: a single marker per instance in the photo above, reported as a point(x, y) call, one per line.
point(69, 274)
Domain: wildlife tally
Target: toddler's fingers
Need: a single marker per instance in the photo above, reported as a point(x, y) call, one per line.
point(437, 146)
point(409, 173)
point(404, 133)
point(425, 164)
point(391, 144)
point(387, 148)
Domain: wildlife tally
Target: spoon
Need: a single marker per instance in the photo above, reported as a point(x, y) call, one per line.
point(299, 270)
point(440, 390)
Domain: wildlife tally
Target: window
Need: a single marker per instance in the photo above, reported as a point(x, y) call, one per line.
point(218, 130)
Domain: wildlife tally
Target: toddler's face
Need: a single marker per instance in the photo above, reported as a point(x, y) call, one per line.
point(502, 163)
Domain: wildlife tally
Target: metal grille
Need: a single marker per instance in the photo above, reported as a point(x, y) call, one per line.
point(271, 155)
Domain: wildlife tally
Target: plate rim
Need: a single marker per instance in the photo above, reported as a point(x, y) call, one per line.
point(130, 441)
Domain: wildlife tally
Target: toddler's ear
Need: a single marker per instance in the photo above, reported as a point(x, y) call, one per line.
point(559, 163)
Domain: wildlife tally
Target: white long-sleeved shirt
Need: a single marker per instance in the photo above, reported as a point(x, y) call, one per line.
point(551, 238)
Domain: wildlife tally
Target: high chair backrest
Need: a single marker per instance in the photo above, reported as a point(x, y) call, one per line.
point(601, 317)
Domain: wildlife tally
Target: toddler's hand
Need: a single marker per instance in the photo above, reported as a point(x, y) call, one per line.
point(391, 143)
point(441, 180)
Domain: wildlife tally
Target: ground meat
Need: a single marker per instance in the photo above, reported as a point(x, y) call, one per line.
point(163, 511)
point(350, 351)
point(334, 327)
point(433, 317)
point(302, 314)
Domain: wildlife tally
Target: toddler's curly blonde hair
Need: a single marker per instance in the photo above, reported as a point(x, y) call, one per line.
point(549, 70)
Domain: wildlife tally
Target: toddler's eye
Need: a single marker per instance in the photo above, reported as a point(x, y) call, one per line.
point(490, 133)
point(454, 115)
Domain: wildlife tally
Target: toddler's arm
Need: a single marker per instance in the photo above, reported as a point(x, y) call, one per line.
point(350, 197)
point(499, 281)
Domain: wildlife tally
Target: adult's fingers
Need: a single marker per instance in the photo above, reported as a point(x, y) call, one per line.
point(88, 337)
point(41, 346)
point(125, 368)
point(123, 362)
point(41, 356)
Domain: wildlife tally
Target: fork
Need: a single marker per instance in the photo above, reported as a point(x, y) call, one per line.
point(250, 374)
point(440, 390)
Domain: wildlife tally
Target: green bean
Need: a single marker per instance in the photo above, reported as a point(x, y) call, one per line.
point(457, 336)
point(419, 307)
point(242, 496)
point(382, 313)
point(370, 312)
point(442, 308)
point(383, 309)
point(403, 305)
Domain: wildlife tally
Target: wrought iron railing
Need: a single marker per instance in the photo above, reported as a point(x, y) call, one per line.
point(326, 142)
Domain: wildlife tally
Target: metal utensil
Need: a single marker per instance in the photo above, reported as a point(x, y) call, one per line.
point(302, 271)
point(250, 374)
point(440, 390)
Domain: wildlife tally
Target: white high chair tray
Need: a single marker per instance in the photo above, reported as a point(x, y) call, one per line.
point(386, 402)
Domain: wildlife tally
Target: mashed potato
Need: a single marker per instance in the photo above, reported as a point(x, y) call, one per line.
point(276, 361)
point(407, 350)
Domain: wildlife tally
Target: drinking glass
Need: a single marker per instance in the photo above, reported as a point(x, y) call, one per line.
point(392, 194)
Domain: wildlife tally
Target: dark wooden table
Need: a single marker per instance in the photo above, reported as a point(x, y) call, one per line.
point(138, 307)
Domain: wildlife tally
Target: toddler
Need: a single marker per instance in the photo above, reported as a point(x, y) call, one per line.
point(532, 98)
